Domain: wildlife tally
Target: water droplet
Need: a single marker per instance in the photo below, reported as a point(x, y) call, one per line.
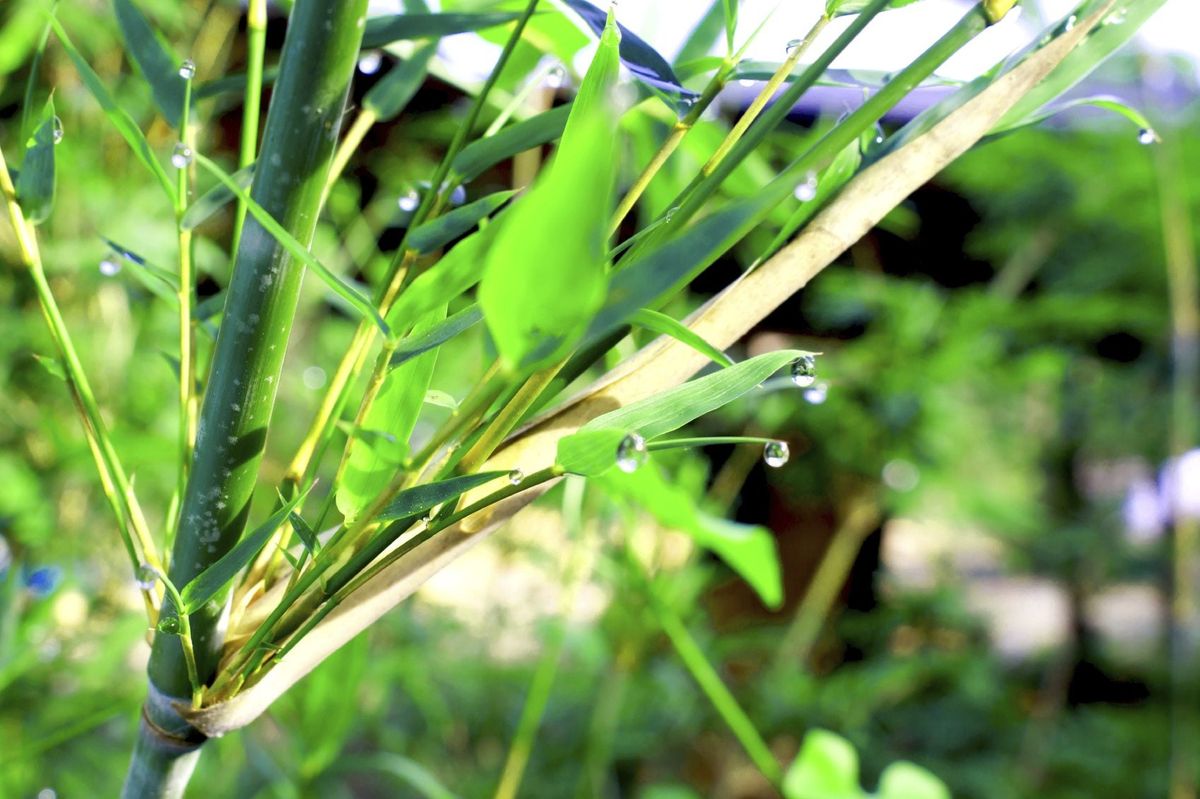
point(804, 371)
point(516, 477)
point(816, 395)
point(409, 202)
point(369, 62)
point(808, 189)
point(314, 377)
point(1070, 23)
point(901, 475)
point(1115, 18)
point(56, 129)
point(792, 45)
point(556, 77)
point(426, 519)
point(181, 156)
point(145, 577)
point(168, 625)
point(1148, 136)
point(458, 195)
point(776, 454)
point(745, 82)
point(187, 70)
point(109, 267)
point(631, 453)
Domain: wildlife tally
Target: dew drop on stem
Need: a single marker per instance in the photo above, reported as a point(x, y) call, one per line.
point(1147, 136)
point(792, 45)
point(181, 156)
point(145, 577)
point(168, 625)
point(631, 453)
point(187, 70)
point(409, 202)
point(516, 477)
point(804, 371)
point(776, 454)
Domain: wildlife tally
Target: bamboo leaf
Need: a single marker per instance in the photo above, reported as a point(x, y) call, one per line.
point(355, 298)
point(749, 551)
point(450, 277)
point(382, 31)
point(116, 115)
point(667, 326)
point(831, 180)
point(36, 183)
point(215, 199)
point(904, 780)
point(205, 585)
point(371, 464)
point(51, 365)
point(731, 21)
point(389, 96)
point(546, 272)
point(412, 502)
point(443, 229)
point(308, 536)
point(701, 40)
point(412, 346)
point(841, 8)
point(636, 54)
point(590, 452)
point(158, 66)
point(826, 768)
point(1107, 103)
point(480, 155)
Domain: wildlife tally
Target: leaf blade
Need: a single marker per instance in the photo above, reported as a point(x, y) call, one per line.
point(157, 65)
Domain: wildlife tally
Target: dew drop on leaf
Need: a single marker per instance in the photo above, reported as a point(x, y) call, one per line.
point(168, 625)
point(804, 371)
point(181, 156)
point(808, 189)
point(56, 129)
point(1147, 136)
point(776, 454)
point(516, 476)
point(817, 394)
point(187, 70)
point(631, 453)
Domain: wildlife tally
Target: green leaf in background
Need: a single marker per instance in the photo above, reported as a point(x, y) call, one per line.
point(158, 281)
point(904, 780)
point(35, 184)
point(355, 299)
point(216, 198)
point(826, 768)
point(400, 27)
point(443, 229)
point(668, 410)
point(635, 53)
point(207, 583)
point(749, 551)
point(116, 115)
point(371, 464)
point(483, 154)
point(841, 8)
point(731, 21)
point(701, 40)
point(450, 277)
point(546, 272)
point(414, 501)
point(667, 326)
point(417, 343)
point(391, 94)
point(157, 65)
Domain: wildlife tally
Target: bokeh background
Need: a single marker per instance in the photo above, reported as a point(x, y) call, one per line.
point(978, 525)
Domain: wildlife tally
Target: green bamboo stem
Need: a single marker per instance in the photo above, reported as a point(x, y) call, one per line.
point(319, 55)
point(187, 355)
point(706, 676)
point(256, 46)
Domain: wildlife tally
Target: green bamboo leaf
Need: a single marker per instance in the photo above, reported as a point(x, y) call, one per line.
point(232, 84)
point(904, 780)
point(51, 365)
point(371, 465)
point(382, 31)
point(701, 40)
point(413, 345)
point(116, 115)
point(215, 199)
point(207, 583)
point(160, 68)
point(731, 21)
point(826, 768)
point(410, 773)
point(443, 229)
point(36, 182)
point(546, 272)
point(441, 399)
point(667, 326)
point(840, 78)
point(590, 452)
point(829, 183)
point(480, 155)
point(307, 536)
point(841, 8)
point(749, 551)
point(1104, 102)
point(456, 272)
point(356, 299)
point(635, 53)
point(391, 94)
point(412, 502)
point(156, 280)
